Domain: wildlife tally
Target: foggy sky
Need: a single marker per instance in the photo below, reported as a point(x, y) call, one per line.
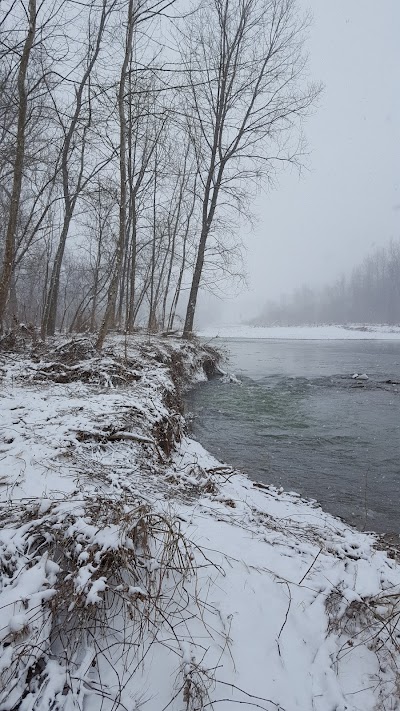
point(312, 229)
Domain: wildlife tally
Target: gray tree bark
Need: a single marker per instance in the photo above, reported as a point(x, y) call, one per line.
point(113, 288)
point(18, 168)
point(70, 197)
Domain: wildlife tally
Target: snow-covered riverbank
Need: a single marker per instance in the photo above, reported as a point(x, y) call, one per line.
point(140, 573)
point(307, 333)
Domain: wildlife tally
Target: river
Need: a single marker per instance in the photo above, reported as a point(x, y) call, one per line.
point(298, 420)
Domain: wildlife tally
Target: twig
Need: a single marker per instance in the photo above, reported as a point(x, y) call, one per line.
point(286, 616)
point(311, 566)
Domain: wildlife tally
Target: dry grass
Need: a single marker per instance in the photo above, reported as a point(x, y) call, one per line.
point(118, 573)
point(93, 585)
point(372, 622)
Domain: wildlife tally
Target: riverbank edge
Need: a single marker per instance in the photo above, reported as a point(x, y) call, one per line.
point(174, 469)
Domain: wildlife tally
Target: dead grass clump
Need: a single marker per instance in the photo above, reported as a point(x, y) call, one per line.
point(177, 367)
point(85, 582)
point(18, 339)
point(73, 351)
point(77, 360)
point(210, 360)
point(390, 543)
point(168, 431)
point(195, 480)
point(98, 370)
point(372, 622)
point(94, 372)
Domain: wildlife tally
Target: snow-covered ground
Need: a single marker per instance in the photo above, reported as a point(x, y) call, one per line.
point(141, 575)
point(316, 333)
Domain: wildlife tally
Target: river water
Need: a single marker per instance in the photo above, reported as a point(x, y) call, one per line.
point(300, 421)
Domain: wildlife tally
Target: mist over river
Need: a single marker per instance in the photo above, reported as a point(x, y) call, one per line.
point(299, 420)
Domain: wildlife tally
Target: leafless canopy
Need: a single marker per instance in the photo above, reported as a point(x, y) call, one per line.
point(133, 135)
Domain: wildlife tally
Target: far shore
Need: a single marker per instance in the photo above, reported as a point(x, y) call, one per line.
point(305, 333)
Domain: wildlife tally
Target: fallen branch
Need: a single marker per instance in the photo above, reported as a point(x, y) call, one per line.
point(101, 436)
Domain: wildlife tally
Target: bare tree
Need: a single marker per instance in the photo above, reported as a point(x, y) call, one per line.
point(146, 162)
point(244, 60)
point(113, 288)
point(73, 185)
point(18, 167)
point(137, 13)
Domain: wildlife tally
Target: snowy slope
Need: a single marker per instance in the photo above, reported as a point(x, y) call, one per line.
point(137, 575)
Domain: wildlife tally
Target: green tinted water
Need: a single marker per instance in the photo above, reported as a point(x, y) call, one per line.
point(300, 421)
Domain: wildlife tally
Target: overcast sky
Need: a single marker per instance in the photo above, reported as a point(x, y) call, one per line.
point(312, 229)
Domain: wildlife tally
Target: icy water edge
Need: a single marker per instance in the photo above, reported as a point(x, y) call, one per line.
point(300, 421)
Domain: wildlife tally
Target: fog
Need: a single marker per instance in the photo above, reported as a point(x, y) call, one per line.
point(317, 226)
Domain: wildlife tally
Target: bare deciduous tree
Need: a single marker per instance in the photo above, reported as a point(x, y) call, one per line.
point(244, 60)
point(121, 182)
point(18, 166)
point(136, 14)
point(74, 143)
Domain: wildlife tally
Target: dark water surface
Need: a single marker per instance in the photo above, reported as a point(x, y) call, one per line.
point(300, 421)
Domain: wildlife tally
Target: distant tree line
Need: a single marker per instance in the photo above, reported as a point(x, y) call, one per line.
point(371, 294)
point(133, 134)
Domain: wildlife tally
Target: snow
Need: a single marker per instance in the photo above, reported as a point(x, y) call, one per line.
point(305, 333)
point(137, 579)
point(17, 623)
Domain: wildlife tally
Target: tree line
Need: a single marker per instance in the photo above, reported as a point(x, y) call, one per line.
point(133, 134)
point(369, 295)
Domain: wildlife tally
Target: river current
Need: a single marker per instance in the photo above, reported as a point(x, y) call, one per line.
point(300, 421)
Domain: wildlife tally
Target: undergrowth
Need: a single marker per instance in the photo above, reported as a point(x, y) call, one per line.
point(108, 579)
point(372, 622)
point(91, 584)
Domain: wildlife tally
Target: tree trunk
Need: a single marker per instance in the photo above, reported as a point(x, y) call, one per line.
point(70, 199)
point(9, 249)
point(50, 309)
point(194, 289)
point(152, 312)
point(130, 321)
point(113, 288)
point(96, 280)
point(209, 207)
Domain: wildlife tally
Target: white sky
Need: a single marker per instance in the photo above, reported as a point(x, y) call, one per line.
point(312, 229)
